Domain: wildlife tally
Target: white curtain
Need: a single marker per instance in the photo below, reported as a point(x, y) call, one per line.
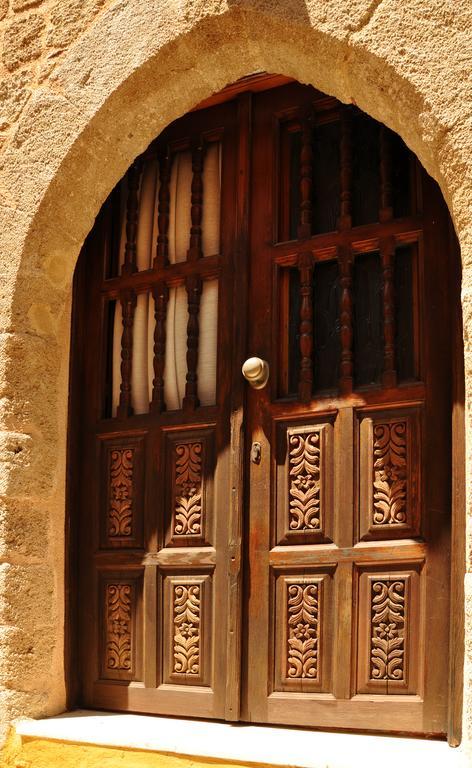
point(177, 315)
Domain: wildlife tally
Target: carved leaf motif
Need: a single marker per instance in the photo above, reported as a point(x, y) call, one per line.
point(186, 604)
point(303, 631)
point(120, 512)
point(390, 473)
point(188, 489)
point(388, 630)
point(118, 626)
point(304, 473)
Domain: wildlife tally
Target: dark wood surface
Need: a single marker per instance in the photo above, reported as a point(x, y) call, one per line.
point(315, 578)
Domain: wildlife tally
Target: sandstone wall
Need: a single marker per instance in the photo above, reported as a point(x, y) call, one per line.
point(84, 86)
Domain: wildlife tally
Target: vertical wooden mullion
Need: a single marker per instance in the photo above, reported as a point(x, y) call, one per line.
point(306, 177)
point(161, 259)
point(346, 320)
point(132, 206)
point(386, 207)
point(344, 651)
point(128, 304)
point(195, 250)
point(305, 385)
point(236, 504)
point(161, 296)
point(387, 253)
point(345, 218)
point(194, 287)
point(150, 624)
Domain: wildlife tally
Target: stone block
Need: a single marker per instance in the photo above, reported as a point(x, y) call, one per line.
point(23, 41)
point(14, 93)
point(27, 596)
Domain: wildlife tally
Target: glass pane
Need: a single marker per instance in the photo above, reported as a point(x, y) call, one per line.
point(211, 200)
point(294, 332)
point(175, 371)
point(326, 181)
point(401, 177)
point(368, 331)
point(295, 140)
point(208, 343)
point(327, 348)
point(404, 317)
point(365, 170)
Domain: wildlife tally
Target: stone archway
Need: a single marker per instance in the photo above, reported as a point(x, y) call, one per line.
point(136, 68)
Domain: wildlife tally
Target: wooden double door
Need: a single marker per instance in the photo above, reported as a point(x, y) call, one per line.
point(281, 554)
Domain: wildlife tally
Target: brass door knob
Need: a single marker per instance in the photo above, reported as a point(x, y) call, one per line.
point(256, 372)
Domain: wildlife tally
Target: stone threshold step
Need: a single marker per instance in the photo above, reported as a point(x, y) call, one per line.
point(122, 739)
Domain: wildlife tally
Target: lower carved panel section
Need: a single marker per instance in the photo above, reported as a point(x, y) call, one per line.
point(120, 611)
point(303, 630)
point(301, 627)
point(186, 601)
point(187, 629)
point(389, 627)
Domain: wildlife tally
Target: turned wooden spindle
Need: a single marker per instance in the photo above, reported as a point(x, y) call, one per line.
point(161, 296)
point(306, 177)
point(305, 384)
point(132, 207)
point(162, 252)
point(194, 287)
point(387, 252)
point(195, 250)
point(386, 202)
point(128, 306)
point(345, 217)
point(346, 332)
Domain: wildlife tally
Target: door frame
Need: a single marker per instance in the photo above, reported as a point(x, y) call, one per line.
point(242, 90)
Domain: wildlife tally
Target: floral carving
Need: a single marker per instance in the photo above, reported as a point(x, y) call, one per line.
point(390, 473)
point(303, 631)
point(118, 626)
point(120, 511)
point(188, 489)
point(387, 657)
point(304, 473)
point(186, 610)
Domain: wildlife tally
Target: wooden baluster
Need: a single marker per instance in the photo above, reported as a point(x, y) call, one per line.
point(345, 218)
point(305, 385)
point(194, 289)
point(195, 251)
point(387, 252)
point(162, 253)
point(161, 296)
point(386, 206)
point(128, 305)
point(346, 333)
point(306, 177)
point(132, 205)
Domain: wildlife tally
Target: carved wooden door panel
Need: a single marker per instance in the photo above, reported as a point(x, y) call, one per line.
point(157, 378)
point(348, 506)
